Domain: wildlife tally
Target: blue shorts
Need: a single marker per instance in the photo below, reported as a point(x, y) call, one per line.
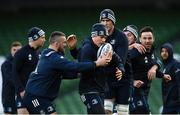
point(38, 105)
point(94, 102)
point(10, 109)
point(8, 98)
point(120, 93)
point(139, 103)
point(19, 102)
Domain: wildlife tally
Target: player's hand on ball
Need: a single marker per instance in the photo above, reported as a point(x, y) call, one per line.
point(105, 49)
point(118, 74)
point(104, 59)
point(71, 41)
point(109, 55)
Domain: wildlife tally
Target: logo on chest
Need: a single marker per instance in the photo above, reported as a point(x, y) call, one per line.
point(145, 60)
point(29, 57)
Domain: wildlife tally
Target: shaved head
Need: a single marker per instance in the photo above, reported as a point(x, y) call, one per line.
point(55, 36)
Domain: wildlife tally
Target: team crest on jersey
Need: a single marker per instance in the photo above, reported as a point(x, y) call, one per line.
point(139, 103)
point(104, 15)
point(94, 101)
point(19, 104)
point(29, 57)
point(112, 42)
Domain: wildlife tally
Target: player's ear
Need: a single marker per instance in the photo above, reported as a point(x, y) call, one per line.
point(56, 44)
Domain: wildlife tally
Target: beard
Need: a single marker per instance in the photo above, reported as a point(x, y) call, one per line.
point(148, 47)
point(61, 50)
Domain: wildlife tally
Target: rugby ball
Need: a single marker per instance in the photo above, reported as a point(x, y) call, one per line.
point(104, 49)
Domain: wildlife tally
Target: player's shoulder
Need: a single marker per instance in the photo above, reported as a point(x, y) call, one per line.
point(133, 53)
point(176, 64)
point(120, 34)
point(4, 64)
point(23, 51)
point(86, 49)
point(87, 44)
point(176, 67)
point(7, 62)
point(52, 55)
point(25, 48)
point(118, 31)
point(49, 53)
point(20, 54)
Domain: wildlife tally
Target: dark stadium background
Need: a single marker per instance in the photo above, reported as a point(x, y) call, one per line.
point(77, 17)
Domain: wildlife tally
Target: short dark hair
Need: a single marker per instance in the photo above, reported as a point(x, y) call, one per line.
point(147, 29)
point(15, 44)
point(54, 35)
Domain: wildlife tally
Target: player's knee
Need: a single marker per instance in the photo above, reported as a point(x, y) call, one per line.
point(108, 106)
point(122, 109)
point(22, 111)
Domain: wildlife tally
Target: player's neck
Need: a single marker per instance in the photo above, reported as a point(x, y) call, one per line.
point(53, 47)
point(111, 31)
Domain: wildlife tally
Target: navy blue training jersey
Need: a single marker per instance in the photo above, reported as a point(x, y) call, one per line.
point(25, 61)
point(119, 43)
point(141, 64)
point(171, 89)
point(91, 81)
point(8, 88)
point(51, 69)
